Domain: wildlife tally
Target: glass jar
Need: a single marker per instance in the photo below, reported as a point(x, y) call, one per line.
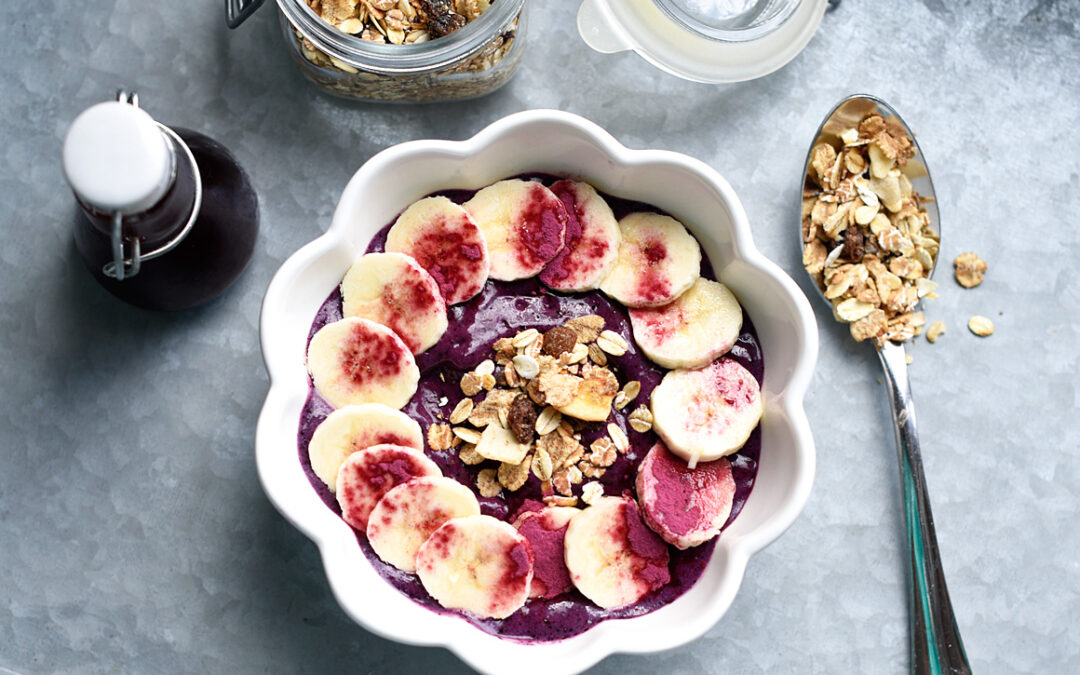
point(474, 60)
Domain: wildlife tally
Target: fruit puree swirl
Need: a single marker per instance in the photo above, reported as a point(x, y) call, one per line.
point(540, 392)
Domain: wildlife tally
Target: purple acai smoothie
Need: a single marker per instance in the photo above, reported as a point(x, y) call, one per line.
point(503, 309)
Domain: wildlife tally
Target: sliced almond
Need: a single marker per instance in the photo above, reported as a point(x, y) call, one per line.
point(925, 288)
point(500, 444)
point(880, 165)
point(887, 188)
point(852, 310)
point(865, 214)
point(833, 256)
point(468, 435)
point(879, 224)
point(526, 366)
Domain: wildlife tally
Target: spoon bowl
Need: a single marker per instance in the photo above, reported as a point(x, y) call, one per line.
point(846, 115)
point(936, 646)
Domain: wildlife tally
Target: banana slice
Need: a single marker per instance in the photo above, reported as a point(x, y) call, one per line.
point(355, 427)
point(523, 224)
point(407, 515)
point(658, 261)
point(359, 361)
point(613, 557)
point(367, 475)
point(546, 529)
point(478, 564)
point(394, 290)
point(685, 506)
point(706, 413)
point(701, 325)
point(442, 237)
point(591, 245)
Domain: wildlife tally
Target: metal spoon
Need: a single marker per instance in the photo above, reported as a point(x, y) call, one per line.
point(935, 640)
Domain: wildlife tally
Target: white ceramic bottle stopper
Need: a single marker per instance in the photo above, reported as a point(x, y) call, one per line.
point(118, 162)
point(116, 158)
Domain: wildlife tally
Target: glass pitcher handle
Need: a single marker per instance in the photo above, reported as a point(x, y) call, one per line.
point(237, 11)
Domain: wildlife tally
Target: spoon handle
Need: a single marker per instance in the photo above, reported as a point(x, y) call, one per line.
point(935, 640)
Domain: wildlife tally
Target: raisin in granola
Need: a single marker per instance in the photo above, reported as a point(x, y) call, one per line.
point(559, 340)
point(521, 419)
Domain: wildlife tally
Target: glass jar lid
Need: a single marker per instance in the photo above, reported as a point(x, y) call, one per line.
point(730, 20)
point(704, 40)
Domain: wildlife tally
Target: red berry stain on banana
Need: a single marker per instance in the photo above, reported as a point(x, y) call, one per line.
point(370, 355)
point(541, 226)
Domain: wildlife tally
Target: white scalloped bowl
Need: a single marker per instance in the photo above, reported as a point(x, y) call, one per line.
point(566, 145)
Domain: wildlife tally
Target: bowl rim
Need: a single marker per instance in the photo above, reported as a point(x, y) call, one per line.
point(608, 637)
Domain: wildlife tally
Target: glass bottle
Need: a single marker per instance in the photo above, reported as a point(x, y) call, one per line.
point(168, 217)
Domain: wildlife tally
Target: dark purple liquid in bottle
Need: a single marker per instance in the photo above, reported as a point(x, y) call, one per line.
point(212, 254)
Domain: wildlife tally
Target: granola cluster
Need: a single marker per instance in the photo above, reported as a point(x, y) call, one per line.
point(398, 21)
point(970, 269)
point(538, 393)
point(867, 239)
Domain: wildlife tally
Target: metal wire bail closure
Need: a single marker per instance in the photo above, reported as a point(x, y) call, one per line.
point(122, 267)
point(237, 11)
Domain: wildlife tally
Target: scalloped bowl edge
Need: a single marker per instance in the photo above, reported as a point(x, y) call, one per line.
point(564, 144)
